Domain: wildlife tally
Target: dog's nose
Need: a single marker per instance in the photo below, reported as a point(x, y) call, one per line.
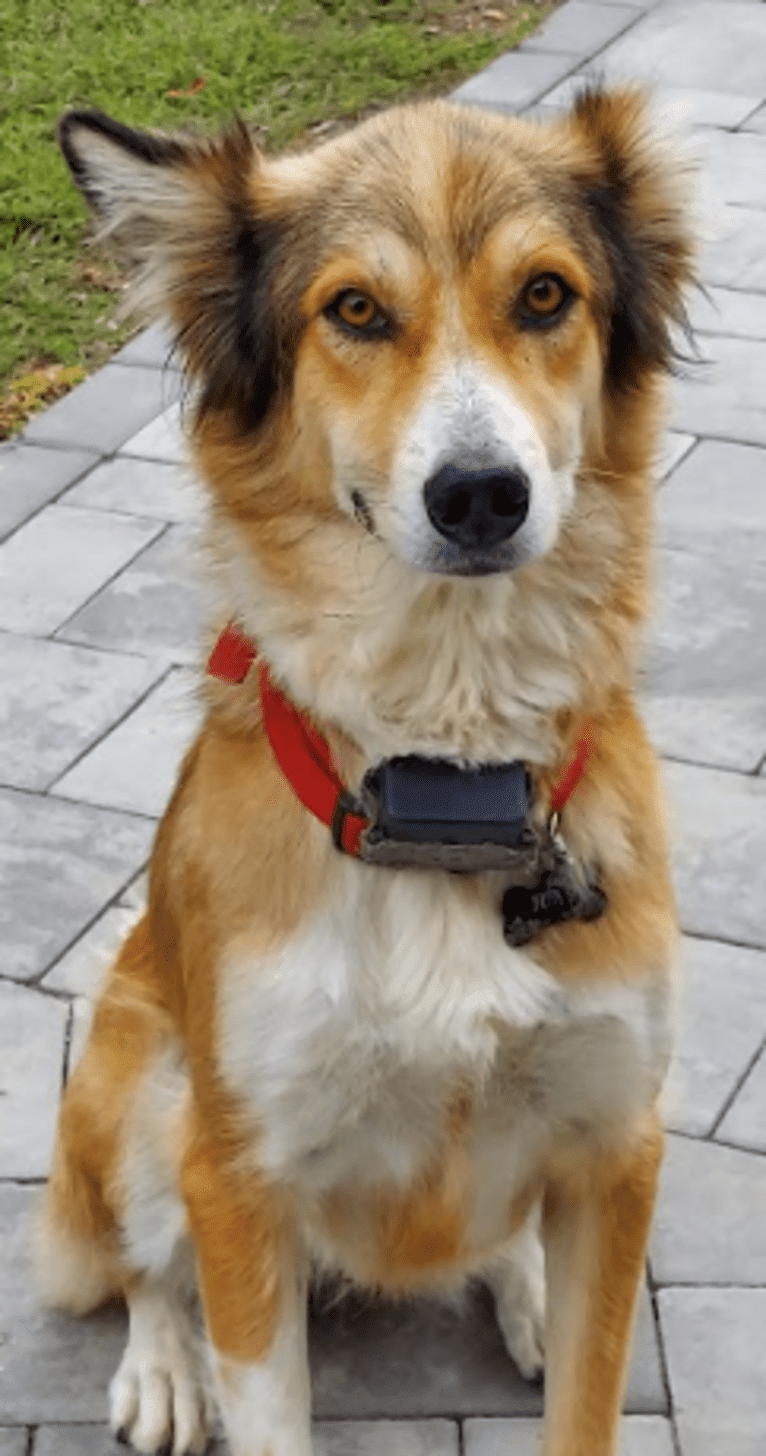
point(477, 508)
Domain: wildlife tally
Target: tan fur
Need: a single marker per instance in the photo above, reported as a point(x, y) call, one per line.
point(269, 968)
point(597, 1226)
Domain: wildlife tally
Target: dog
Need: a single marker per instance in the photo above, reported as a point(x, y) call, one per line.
point(400, 1007)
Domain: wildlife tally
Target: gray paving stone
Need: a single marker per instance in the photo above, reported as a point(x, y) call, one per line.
point(498, 1437)
point(705, 658)
point(735, 164)
point(715, 502)
point(581, 28)
point(694, 107)
point(135, 894)
point(721, 1024)
point(639, 1436)
point(714, 1346)
point(330, 1438)
point(60, 864)
point(372, 1359)
point(53, 1368)
point(685, 107)
point(756, 122)
point(58, 560)
point(106, 409)
point(13, 1441)
point(745, 1122)
point(674, 448)
point(153, 347)
point(697, 45)
point(32, 1028)
point(57, 1368)
point(686, 4)
point(710, 1220)
point(736, 312)
point(31, 476)
point(135, 766)
point(153, 608)
point(737, 257)
point(704, 604)
point(161, 439)
point(718, 831)
point(727, 399)
point(77, 1440)
point(515, 80)
point(56, 700)
point(81, 970)
point(718, 729)
point(386, 1438)
point(138, 487)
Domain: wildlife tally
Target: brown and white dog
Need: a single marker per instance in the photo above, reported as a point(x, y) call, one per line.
point(427, 360)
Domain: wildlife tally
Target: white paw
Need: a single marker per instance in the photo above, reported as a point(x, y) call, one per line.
point(158, 1399)
point(516, 1278)
point(523, 1328)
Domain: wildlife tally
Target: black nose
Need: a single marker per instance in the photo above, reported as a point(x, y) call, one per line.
point(477, 508)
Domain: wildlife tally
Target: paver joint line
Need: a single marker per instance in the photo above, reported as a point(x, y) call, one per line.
point(110, 727)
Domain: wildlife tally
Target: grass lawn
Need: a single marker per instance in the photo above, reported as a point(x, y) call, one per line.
point(289, 66)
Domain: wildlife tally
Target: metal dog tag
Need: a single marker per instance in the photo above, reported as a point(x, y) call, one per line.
point(564, 892)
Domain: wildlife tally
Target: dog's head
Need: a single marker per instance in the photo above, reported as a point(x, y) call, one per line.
point(426, 317)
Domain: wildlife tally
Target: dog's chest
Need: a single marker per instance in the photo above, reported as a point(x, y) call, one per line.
point(352, 1045)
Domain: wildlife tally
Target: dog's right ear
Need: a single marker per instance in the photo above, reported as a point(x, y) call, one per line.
point(181, 212)
point(114, 166)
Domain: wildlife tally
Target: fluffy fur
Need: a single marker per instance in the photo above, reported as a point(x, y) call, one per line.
point(299, 1059)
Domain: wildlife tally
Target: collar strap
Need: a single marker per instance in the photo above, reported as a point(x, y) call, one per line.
point(300, 750)
point(304, 755)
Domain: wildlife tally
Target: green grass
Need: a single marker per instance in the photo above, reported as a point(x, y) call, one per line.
point(286, 66)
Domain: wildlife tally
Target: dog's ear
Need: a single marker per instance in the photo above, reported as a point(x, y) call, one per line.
point(637, 195)
point(181, 212)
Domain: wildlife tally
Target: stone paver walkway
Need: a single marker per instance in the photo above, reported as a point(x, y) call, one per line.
point(99, 617)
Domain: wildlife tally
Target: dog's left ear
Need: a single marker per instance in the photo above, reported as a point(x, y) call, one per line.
point(637, 195)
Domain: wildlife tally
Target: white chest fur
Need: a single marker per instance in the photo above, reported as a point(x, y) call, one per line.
point(349, 1042)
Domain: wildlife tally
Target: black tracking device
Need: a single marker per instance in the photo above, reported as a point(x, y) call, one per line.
point(424, 800)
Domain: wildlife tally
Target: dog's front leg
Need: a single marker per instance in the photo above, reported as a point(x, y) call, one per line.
point(253, 1284)
point(595, 1226)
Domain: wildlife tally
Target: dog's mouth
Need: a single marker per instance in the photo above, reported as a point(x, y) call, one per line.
point(362, 512)
point(450, 561)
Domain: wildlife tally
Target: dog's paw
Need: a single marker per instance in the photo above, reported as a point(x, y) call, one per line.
point(522, 1322)
point(516, 1278)
point(158, 1399)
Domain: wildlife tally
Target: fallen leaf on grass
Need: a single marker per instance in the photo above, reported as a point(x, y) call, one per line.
point(29, 392)
point(99, 275)
point(198, 84)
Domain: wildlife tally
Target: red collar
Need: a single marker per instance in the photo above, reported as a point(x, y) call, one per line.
point(304, 755)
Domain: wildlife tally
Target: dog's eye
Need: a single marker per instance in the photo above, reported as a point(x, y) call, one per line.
point(544, 298)
point(358, 312)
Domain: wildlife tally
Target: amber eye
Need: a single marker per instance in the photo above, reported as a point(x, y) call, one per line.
point(545, 296)
point(357, 311)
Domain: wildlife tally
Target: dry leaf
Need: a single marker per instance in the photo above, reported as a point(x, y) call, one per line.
point(198, 84)
point(27, 393)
